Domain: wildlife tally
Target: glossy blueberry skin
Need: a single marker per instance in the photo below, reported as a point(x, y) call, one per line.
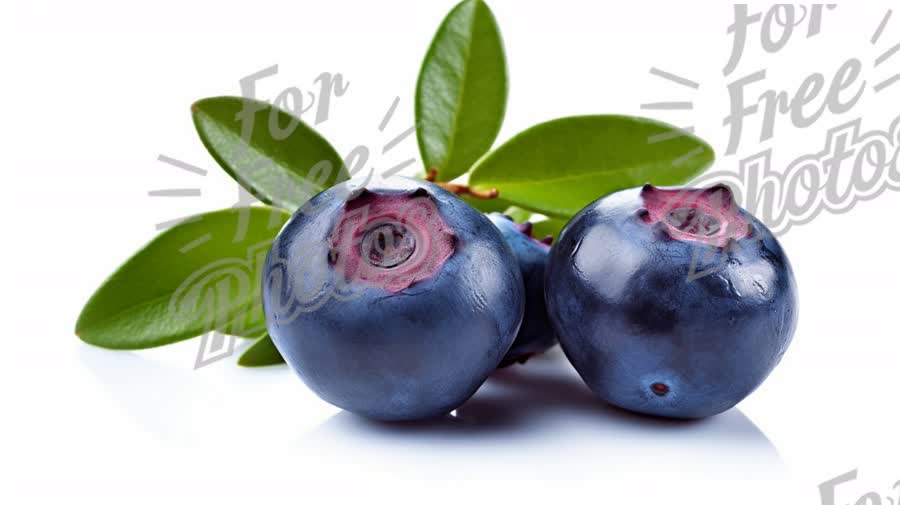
point(646, 338)
point(413, 354)
point(536, 334)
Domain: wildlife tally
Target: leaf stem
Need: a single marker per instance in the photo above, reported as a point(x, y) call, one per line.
point(461, 189)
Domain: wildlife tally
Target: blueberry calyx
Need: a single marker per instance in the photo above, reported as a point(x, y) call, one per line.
point(693, 221)
point(707, 215)
point(390, 240)
point(387, 245)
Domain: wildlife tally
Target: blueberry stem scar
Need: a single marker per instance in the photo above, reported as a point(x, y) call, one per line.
point(461, 189)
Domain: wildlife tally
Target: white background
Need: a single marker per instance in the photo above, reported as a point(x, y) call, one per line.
point(93, 92)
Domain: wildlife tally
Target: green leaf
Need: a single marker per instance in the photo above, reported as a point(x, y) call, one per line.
point(272, 154)
point(517, 214)
point(261, 353)
point(487, 205)
point(202, 274)
point(461, 92)
point(558, 167)
point(550, 227)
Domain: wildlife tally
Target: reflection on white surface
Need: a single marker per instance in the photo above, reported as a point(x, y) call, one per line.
point(539, 423)
point(545, 401)
point(204, 408)
point(534, 431)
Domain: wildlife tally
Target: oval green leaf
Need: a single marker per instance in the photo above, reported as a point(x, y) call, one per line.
point(200, 275)
point(558, 167)
point(262, 353)
point(461, 91)
point(272, 154)
point(487, 205)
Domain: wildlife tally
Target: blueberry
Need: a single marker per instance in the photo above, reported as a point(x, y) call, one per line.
point(536, 335)
point(675, 303)
point(393, 300)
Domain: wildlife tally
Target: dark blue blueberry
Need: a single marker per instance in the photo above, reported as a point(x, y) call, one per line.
point(394, 301)
point(669, 302)
point(536, 334)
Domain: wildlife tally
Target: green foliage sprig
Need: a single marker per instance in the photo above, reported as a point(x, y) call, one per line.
point(205, 273)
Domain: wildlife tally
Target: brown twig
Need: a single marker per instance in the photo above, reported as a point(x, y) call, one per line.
point(461, 189)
